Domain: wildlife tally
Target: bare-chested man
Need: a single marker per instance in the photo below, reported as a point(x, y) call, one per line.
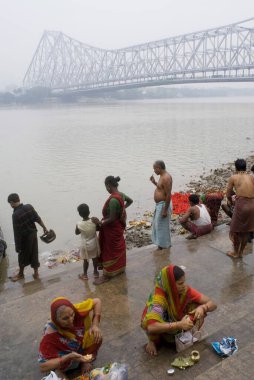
point(243, 216)
point(162, 197)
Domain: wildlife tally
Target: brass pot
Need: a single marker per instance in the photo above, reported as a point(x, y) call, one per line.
point(195, 356)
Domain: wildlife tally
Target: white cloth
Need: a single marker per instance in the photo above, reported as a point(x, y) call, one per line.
point(204, 218)
point(89, 242)
point(51, 376)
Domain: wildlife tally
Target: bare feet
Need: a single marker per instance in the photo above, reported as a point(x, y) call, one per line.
point(83, 277)
point(233, 255)
point(190, 237)
point(96, 275)
point(151, 349)
point(36, 276)
point(17, 277)
point(101, 280)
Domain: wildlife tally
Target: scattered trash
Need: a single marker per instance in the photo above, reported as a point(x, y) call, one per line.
point(62, 257)
point(139, 223)
point(226, 347)
point(114, 371)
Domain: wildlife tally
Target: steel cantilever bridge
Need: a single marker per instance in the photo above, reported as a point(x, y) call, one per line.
point(65, 65)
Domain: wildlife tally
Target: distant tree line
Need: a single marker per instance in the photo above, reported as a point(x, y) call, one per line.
point(30, 96)
point(44, 94)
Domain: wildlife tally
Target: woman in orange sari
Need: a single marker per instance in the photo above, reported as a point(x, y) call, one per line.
point(172, 307)
point(72, 333)
point(111, 236)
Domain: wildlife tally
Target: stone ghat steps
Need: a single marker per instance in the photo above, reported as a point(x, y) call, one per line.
point(25, 308)
point(230, 320)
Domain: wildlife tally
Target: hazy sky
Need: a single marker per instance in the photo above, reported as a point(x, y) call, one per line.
point(104, 23)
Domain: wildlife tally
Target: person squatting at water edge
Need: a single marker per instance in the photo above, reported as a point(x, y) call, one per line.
point(242, 223)
point(213, 203)
point(111, 235)
point(197, 219)
point(24, 218)
point(172, 307)
point(90, 248)
point(163, 206)
point(72, 338)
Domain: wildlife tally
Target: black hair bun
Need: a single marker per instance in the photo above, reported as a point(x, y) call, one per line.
point(117, 179)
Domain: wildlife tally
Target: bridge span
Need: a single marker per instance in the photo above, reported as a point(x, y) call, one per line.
point(222, 54)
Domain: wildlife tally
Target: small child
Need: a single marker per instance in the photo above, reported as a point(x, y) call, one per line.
point(90, 248)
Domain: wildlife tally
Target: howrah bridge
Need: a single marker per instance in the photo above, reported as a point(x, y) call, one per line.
point(65, 65)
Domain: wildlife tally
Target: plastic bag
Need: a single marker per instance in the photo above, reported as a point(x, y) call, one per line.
point(51, 376)
point(114, 371)
point(186, 339)
point(226, 347)
point(118, 372)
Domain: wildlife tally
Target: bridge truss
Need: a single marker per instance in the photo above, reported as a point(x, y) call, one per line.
point(222, 54)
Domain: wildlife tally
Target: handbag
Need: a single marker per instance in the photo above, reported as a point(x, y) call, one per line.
point(186, 339)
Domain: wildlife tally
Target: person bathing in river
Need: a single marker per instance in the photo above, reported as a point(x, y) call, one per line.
point(197, 219)
point(163, 206)
point(242, 223)
point(90, 248)
point(172, 307)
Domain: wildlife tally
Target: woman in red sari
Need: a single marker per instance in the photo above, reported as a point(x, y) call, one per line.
point(112, 226)
point(172, 307)
point(72, 337)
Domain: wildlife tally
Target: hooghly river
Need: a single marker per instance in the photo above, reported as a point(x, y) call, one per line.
point(58, 156)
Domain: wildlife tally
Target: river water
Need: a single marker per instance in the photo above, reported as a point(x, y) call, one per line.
point(58, 156)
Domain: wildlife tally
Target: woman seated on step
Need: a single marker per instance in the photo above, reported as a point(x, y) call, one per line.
point(72, 337)
point(172, 307)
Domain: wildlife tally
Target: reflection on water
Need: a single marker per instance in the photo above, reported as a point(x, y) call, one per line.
point(58, 157)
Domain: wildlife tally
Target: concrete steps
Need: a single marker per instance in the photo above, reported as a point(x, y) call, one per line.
point(25, 309)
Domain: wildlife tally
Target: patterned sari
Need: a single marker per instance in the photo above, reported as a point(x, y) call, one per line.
point(112, 242)
point(65, 340)
point(166, 305)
